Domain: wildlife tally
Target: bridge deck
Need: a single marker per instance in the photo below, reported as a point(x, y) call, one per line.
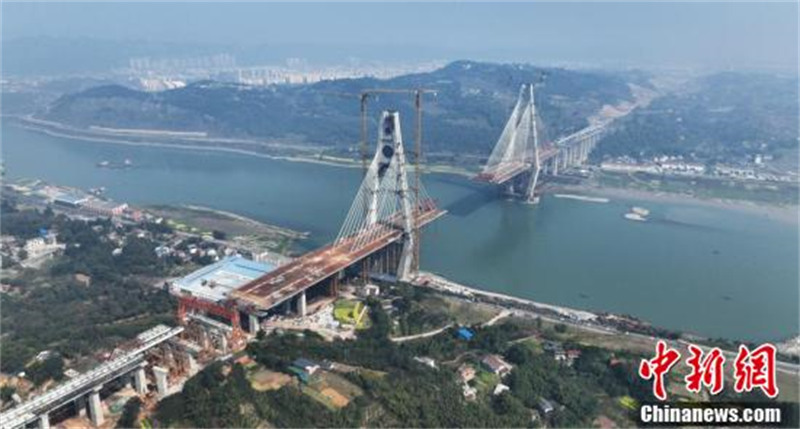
point(507, 171)
point(503, 173)
point(312, 268)
point(28, 411)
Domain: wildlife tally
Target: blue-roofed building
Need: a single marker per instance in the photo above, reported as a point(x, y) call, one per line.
point(465, 333)
point(214, 282)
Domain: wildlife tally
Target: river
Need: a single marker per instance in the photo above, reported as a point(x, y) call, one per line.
point(698, 268)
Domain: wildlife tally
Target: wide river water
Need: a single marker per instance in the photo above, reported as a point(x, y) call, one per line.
point(708, 270)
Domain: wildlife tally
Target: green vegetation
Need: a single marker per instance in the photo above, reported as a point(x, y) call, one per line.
point(390, 389)
point(348, 311)
point(473, 103)
point(212, 399)
point(721, 117)
point(420, 310)
point(705, 187)
point(48, 309)
point(130, 414)
point(51, 368)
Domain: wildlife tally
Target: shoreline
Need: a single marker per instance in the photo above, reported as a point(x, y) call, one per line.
point(783, 214)
point(586, 320)
point(63, 131)
point(778, 213)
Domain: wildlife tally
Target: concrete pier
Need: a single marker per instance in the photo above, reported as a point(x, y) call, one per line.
point(44, 421)
point(96, 407)
point(161, 380)
point(301, 304)
point(80, 406)
point(140, 381)
point(253, 323)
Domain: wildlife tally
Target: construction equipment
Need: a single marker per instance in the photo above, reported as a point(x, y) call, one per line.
point(418, 94)
point(227, 310)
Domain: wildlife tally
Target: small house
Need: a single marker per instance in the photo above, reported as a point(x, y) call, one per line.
point(496, 365)
point(466, 372)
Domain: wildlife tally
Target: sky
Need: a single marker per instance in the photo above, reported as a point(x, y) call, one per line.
point(658, 34)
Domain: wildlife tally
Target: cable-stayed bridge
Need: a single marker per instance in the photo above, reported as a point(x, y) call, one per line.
point(377, 236)
point(521, 155)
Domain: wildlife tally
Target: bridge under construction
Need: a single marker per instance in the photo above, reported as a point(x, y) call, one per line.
point(85, 388)
point(379, 234)
point(520, 157)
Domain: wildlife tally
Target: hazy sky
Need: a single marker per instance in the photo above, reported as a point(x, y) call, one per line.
point(711, 34)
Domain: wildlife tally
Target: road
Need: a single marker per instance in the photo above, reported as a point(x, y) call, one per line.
point(422, 335)
point(578, 319)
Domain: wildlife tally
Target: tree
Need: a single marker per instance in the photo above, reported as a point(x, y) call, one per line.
point(6, 393)
point(130, 414)
point(50, 368)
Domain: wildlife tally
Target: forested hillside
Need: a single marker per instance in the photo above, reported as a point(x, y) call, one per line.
point(718, 117)
point(472, 105)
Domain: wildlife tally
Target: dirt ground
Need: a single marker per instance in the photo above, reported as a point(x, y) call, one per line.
point(263, 380)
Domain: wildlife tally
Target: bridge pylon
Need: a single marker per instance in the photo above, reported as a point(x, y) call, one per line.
point(516, 160)
point(385, 199)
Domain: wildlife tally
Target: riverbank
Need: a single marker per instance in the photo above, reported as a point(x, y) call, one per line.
point(313, 155)
point(625, 333)
point(255, 236)
point(261, 149)
point(783, 214)
point(486, 241)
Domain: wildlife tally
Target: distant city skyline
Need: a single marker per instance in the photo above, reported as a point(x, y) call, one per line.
point(620, 34)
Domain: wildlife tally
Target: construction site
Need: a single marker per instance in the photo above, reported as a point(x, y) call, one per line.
point(223, 305)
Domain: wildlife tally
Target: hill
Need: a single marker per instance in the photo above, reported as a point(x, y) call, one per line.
point(473, 103)
point(726, 116)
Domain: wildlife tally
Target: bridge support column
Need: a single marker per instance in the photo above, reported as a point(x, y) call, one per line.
point(80, 406)
point(140, 380)
point(44, 421)
point(531, 191)
point(252, 322)
point(161, 380)
point(223, 342)
point(192, 363)
point(301, 304)
point(96, 407)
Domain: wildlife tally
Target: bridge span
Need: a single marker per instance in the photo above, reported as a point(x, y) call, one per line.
point(519, 157)
point(384, 218)
point(89, 383)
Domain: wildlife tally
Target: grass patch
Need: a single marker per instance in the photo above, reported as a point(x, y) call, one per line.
point(629, 403)
point(350, 312)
